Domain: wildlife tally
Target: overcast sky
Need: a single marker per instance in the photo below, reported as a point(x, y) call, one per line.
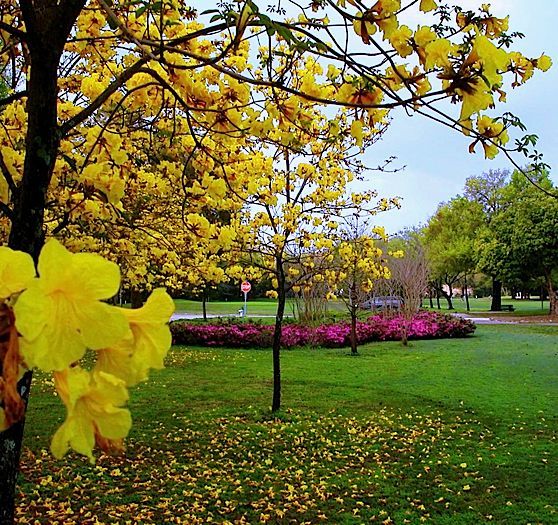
point(437, 160)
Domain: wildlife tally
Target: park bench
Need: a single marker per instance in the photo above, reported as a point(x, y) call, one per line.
point(508, 308)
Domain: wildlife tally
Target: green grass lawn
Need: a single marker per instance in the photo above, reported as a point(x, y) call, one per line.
point(523, 307)
point(267, 307)
point(445, 432)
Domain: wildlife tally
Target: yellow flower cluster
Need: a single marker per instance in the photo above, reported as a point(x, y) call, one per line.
point(52, 320)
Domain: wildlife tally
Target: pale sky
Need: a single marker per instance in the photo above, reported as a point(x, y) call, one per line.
point(437, 160)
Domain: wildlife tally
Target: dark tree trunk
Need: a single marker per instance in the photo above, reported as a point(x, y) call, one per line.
point(496, 305)
point(10, 452)
point(448, 298)
point(27, 233)
point(48, 25)
point(281, 301)
point(136, 298)
point(467, 295)
point(430, 299)
point(438, 300)
point(204, 305)
point(354, 342)
point(353, 310)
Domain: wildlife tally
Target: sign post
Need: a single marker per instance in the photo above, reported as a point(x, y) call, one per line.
point(245, 287)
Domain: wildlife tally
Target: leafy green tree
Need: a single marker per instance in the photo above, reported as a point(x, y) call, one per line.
point(524, 240)
point(488, 190)
point(449, 238)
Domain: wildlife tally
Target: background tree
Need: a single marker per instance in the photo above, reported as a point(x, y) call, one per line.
point(488, 191)
point(295, 206)
point(449, 238)
point(358, 264)
point(523, 235)
point(409, 278)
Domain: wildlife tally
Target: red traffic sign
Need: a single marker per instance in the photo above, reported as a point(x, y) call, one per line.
point(245, 287)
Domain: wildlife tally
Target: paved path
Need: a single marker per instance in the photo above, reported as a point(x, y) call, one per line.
point(501, 320)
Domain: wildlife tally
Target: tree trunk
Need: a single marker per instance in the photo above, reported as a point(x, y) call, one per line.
point(204, 305)
point(496, 305)
point(136, 298)
point(10, 452)
point(404, 330)
point(447, 297)
point(281, 301)
point(430, 299)
point(467, 294)
point(48, 25)
point(27, 233)
point(438, 300)
point(354, 346)
point(552, 296)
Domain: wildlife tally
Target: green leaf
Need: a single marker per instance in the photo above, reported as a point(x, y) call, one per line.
point(141, 10)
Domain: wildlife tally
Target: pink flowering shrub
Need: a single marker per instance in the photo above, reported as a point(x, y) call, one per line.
point(425, 325)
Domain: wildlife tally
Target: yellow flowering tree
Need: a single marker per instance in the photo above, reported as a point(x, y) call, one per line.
point(105, 103)
point(358, 264)
point(299, 191)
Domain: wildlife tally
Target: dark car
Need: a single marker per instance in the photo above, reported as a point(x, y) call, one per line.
point(386, 301)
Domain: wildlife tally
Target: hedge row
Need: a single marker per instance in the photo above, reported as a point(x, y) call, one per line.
point(425, 325)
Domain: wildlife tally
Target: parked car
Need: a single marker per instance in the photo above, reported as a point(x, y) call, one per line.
point(386, 301)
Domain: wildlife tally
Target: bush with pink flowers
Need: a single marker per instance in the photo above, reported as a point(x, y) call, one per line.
point(425, 325)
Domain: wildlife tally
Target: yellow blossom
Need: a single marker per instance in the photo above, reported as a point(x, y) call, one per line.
point(544, 62)
point(146, 346)
point(93, 402)
point(400, 39)
point(424, 35)
point(60, 314)
point(475, 98)
point(438, 53)
point(357, 132)
point(493, 60)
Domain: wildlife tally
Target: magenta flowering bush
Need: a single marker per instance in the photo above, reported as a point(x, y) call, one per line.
point(424, 325)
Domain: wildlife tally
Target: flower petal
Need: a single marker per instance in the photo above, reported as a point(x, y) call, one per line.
point(31, 312)
point(114, 423)
point(86, 275)
point(16, 271)
point(100, 324)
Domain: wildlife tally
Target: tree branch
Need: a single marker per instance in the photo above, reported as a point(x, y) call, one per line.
point(13, 97)
point(6, 210)
point(102, 98)
point(14, 31)
point(7, 175)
